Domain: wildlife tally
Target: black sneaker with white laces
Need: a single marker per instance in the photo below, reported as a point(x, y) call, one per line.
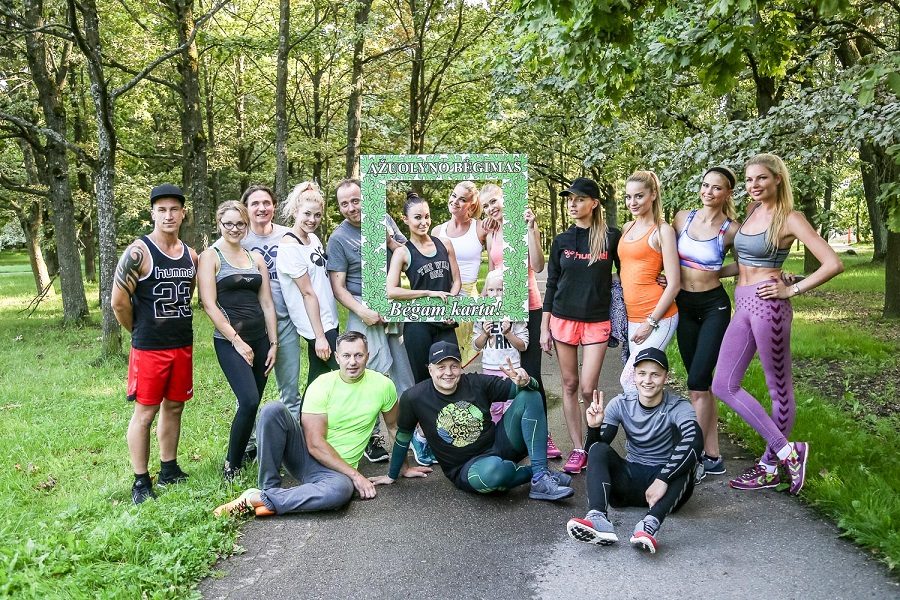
point(374, 451)
point(142, 490)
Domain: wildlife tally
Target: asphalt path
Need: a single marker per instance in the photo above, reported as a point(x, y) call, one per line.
point(424, 538)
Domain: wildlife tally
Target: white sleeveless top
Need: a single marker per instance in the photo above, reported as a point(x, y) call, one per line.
point(468, 250)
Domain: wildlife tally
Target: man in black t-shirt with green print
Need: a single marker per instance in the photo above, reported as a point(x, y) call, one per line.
point(453, 409)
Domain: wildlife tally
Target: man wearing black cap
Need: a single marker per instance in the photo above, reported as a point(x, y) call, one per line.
point(151, 298)
point(454, 410)
point(663, 443)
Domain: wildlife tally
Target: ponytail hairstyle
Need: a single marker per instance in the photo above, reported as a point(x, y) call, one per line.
point(650, 181)
point(598, 235)
point(307, 191)
point(475, 206)
point(784, 198)
point(728, 207)
point(412, 199)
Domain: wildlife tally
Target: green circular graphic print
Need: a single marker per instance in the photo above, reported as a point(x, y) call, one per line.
point(460, 423)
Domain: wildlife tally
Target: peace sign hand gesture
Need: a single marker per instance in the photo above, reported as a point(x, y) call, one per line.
point(517, 376)
point(594, 412)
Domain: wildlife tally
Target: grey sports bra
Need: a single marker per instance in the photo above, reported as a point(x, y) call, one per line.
point(753, 251)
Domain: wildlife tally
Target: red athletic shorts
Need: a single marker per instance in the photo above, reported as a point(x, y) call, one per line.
point(157, 374)
point(579, 333)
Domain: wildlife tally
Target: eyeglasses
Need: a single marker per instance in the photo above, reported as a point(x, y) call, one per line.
point(240, 225)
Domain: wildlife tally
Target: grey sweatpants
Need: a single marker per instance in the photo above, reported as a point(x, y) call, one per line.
point(281, 442)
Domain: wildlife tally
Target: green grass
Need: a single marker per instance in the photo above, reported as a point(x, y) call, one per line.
point(853, 472)
point(67, 525)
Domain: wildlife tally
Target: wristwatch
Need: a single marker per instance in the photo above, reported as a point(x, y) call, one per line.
point(796, 289)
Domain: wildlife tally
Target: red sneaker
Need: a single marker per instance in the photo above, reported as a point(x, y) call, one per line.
point(576, 462)
point(552, 450)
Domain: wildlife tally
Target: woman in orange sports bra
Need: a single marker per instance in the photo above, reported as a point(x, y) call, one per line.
point(647, 248)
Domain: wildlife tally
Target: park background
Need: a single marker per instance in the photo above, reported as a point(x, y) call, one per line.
point(101, 100)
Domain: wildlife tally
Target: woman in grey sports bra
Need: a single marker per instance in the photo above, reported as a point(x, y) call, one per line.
point(762, 320)
point(704, 236)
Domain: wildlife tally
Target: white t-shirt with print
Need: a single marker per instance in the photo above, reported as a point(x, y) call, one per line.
point(294, 261)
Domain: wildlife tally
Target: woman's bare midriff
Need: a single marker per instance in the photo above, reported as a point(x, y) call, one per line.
point(695, 280)
point(754, 275)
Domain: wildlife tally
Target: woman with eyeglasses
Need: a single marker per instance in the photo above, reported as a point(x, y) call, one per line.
point(304, 279)
point(235, 293)
point(467, 234)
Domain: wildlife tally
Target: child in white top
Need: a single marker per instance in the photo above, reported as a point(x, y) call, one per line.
point(498, 340)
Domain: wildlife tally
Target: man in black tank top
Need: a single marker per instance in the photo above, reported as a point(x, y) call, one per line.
point(151, 298)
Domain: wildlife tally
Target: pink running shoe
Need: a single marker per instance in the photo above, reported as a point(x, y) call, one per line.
point(576, 462)
point(755, 478)
point(552, 450)
point(796, 466)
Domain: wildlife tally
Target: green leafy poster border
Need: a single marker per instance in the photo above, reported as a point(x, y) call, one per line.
point(509, 170)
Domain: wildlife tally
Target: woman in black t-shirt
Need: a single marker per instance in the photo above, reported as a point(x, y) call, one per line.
point(430, 265)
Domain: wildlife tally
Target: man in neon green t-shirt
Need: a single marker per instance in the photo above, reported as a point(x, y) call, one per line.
point(340, 409)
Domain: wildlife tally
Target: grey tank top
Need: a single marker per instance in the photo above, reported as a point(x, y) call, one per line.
point(753, 251)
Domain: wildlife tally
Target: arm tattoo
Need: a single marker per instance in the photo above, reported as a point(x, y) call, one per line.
point(128, 270)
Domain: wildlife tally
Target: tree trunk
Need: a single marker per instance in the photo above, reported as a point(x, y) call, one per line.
point(871, 164)
point(192, 134)
point(75, 308)
point(354, 107)
point(806, 202)
point(104, 182)
point(551, 188)
point(892, 276)
point(31, 221)
point(209, 116)
point(86, 236)
point(281, 124)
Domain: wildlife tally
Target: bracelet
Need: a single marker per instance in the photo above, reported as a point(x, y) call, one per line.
point(653, 322)
point(796, 289)
point(234, 337)
point(271, 343)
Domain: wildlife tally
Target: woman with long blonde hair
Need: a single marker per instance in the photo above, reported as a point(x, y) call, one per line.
point(646, 249)
point(576, 305)
point(705, 235)
point(301, 265)
point(762, 319)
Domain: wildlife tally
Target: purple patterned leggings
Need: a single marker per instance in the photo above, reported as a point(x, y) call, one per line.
point(762, 326)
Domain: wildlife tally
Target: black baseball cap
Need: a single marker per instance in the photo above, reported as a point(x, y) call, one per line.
point(166, 190)
point(582, 187)
point(654, 354)
point(442, 350)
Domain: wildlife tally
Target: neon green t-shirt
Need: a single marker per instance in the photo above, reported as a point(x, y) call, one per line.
point(351, 408)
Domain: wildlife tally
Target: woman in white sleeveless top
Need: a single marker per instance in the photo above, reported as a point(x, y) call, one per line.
point(466, 232)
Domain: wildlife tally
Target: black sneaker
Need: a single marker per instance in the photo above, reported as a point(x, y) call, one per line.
point(375, 452)
point(172, 477)
point(250, 454)
point(142, 490)
point(229, 473)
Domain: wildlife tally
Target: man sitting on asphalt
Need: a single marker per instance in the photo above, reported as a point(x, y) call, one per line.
point(454, 410)
point(339, 412)
point(663, 443)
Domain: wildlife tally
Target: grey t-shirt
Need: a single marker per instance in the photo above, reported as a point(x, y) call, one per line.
point(650, 432)
point(267, 246)
point(345, 255)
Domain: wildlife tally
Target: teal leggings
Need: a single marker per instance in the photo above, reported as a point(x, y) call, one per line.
point(521, 432)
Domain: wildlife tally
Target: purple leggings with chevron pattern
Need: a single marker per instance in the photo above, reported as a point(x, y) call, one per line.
point(762, 326)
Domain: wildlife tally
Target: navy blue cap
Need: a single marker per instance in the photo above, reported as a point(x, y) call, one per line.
point(654, 354)
point(443, 350)
point(166, 190)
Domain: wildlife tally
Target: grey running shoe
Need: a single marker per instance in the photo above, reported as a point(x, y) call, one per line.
point(645, 532)
point(594, 528)
point(561, 478)
point(544, 487)
point(713, 467)
point(699, 472)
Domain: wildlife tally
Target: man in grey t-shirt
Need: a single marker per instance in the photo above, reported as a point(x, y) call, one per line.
point(386, 352)
point(264, 237)
point(663, 444)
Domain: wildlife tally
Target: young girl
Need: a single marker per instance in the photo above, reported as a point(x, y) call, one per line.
point(762, 319)
point(234, 289)
point(704, 309)
point(646, 248)
point(576, 305)
point(304, 280)
point(500, 342)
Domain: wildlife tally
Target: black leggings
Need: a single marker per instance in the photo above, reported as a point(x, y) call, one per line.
point(248, 384)
point(531, 357)
point(612, 481)
point(702, 320)
point(418, 338)
point(317, 366)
